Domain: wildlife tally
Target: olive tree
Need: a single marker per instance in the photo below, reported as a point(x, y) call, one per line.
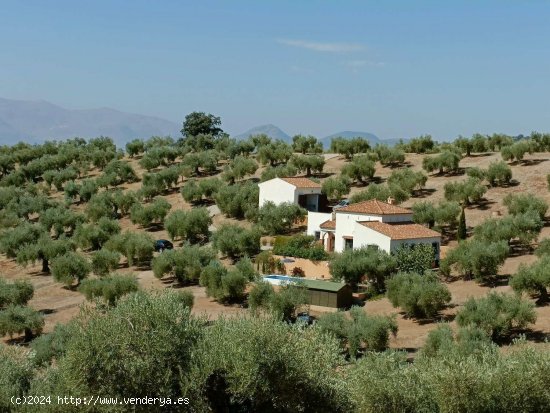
point(497, 314)
point(361, 168)
point(235, 241)
point(534, 278)
point(239, 200)
point(93, 236)
point(137, 247)
point(145, 342)
point(185, 264)
point(110, 288)
point(349, 147)
point(16, 319)
point(308, 163)
point(152, 214)
point(306, 144)
point(249, 364)
point(475, 258)
point(191, 226)
point(361, 331)
point(105, 261)
point(276, 219)
point(521, 203)
point(69, 268)
point(418, 295)
point(466, 192)
point(355, 265)
point(445, 162)
point(336, 187)
point(239, 168)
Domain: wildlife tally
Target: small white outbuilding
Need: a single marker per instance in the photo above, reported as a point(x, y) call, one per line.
point(300, 191)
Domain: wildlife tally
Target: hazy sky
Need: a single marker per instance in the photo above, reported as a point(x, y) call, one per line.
point(397, 69)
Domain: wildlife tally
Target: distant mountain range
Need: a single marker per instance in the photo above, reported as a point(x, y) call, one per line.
point(276, 133)
point(36, 121)
point(270, 130)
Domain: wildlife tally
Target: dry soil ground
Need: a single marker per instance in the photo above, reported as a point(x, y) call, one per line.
point(60, 304)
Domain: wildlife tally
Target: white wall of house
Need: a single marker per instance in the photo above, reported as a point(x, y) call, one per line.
point(277, 191)
point(315, 219)
point(364, 236)
point(395, 244)
point(345, 225)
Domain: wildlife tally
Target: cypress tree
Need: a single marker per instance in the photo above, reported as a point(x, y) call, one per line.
point(461, 231)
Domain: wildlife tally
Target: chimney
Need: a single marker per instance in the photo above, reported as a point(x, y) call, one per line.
point(391, 200)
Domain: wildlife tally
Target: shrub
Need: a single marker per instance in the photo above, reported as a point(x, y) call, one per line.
point(497, 314)
point(109, 288)
point(298, 272)
point(105, 261)
point(299, 246)
point(415, 257)
point(70, 267)
point(418, 295)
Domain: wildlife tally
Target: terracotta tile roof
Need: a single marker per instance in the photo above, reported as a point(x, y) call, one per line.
point(374, 207)
point(302, 182)
point(402, 230)
point(328, 224)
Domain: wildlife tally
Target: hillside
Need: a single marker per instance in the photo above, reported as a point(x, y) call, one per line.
point(36, 121)
point(272, 131)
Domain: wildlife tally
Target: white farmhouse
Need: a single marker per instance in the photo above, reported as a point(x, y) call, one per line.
point(370, 223)
point(301, 191)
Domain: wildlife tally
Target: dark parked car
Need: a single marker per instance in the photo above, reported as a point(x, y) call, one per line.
point(163, 244)
point(304, 318)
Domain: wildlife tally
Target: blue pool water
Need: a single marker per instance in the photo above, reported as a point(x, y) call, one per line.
point(280, 279)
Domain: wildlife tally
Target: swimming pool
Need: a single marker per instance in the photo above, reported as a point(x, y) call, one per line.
point(280, 279)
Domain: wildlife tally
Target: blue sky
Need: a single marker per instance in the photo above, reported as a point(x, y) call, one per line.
point(397, 69)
